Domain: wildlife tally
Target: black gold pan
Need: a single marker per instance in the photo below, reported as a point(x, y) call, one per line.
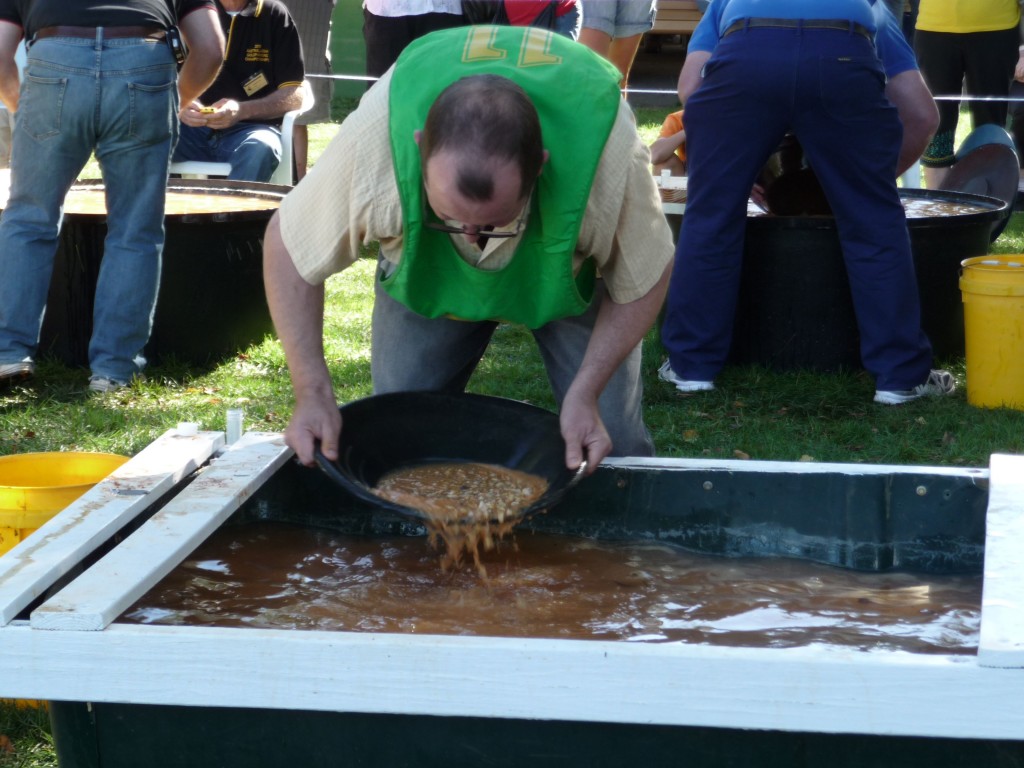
point(387, 432)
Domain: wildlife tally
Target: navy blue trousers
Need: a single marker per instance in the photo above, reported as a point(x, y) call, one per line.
point(828, 87)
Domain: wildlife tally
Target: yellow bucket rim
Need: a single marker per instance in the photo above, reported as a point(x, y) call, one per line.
point(11, 462)
point(992, 275)
point(1007, 262)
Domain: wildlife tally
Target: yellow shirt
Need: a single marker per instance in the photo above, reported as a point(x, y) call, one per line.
point(350, 198)
point(968, 16)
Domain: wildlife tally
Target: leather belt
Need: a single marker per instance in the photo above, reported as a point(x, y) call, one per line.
point(109, 33)
point(843, 25)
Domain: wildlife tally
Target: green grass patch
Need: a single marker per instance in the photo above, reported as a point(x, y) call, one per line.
point(25, 739)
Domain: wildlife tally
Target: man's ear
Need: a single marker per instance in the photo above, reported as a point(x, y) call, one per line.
point(417, 135)
point(544, 162)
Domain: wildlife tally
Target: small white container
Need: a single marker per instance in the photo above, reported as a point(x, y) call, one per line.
point(234, 428)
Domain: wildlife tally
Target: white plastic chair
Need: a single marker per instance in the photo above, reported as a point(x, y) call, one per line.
point(285, 169)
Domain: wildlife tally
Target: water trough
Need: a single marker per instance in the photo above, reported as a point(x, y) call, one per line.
point(124, 694)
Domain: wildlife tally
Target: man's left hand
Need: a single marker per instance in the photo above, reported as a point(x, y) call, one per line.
point(226, 114)
point(585, 435)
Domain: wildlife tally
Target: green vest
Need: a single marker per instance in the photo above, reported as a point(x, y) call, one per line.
point(577, 98)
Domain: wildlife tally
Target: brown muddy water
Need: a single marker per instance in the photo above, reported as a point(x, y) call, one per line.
point(275, 575)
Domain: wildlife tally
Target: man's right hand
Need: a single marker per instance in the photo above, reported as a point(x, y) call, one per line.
point(297, 309)
point(315, 418)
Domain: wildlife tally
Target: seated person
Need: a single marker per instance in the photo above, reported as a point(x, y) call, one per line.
point(237, 120)
point(668, 153)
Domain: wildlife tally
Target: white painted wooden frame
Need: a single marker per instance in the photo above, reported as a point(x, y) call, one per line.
point(60, 544)
point(816, 688)
point(101, 594)
point(1002, 603)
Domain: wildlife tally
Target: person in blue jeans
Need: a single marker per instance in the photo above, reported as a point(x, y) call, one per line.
point(98, 80)
point(840, 75)
point(238, 118)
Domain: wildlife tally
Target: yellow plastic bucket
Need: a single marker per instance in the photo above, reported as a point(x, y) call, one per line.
point(993, 294)
point(36, 486)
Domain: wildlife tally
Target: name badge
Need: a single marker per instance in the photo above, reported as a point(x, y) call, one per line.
point(255, 83)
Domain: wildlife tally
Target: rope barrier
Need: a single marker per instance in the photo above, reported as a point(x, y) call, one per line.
point(663, 92)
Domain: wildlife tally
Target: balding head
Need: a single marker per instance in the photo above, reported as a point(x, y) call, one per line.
point(484, 122)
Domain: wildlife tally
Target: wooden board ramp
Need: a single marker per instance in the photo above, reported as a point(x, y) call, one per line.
point(60, 544)
point(101, 594)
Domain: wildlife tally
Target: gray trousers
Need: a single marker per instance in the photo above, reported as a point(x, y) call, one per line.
point(411, 352)
point(6, 132)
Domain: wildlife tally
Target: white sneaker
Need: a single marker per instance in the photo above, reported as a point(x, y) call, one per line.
point(12, 373)
point(937, 383)
point(105, 384)
point(665, 373)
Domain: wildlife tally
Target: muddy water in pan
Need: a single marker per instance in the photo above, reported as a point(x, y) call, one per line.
point(287, 577)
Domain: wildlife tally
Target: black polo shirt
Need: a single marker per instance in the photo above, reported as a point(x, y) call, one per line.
point(262, 55)
point(32, 15)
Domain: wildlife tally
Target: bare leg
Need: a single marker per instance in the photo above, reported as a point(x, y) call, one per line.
point(619, 51)
point(621, 54)
point(596, 41)
point(933, 177)
point(300, 149)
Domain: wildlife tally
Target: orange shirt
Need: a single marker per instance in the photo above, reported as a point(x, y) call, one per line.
point(674, 124)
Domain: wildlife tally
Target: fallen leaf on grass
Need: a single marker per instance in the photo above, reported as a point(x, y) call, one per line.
point(805, 457)
point(690, 435)
point(741, 454)
point(6, 747)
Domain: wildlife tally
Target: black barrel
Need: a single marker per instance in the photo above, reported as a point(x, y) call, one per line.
point(211, 302)
point(795, 309)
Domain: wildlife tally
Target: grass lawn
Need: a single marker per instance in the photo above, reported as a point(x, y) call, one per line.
point(754, 413)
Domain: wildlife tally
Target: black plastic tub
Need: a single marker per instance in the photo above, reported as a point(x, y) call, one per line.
point(927, 521)
point(795, 309)
point(127, 736)
point(211, 302)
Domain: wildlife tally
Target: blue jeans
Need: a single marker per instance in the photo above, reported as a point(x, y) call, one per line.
point(828, 87)
point(116, 98)
point(253, 149)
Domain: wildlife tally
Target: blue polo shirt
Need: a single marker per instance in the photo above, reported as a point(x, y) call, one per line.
point(894, 51)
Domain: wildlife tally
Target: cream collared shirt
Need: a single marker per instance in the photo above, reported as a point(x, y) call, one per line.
point(350, 199)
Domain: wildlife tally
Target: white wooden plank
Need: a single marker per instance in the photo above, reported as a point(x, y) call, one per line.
point(820, 689)
point(127, 572)
point(35, 564)
point(1002, 604)
point(977, 474)
point(665, 180)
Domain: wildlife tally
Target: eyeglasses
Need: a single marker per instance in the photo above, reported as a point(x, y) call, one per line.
point(431, 221)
